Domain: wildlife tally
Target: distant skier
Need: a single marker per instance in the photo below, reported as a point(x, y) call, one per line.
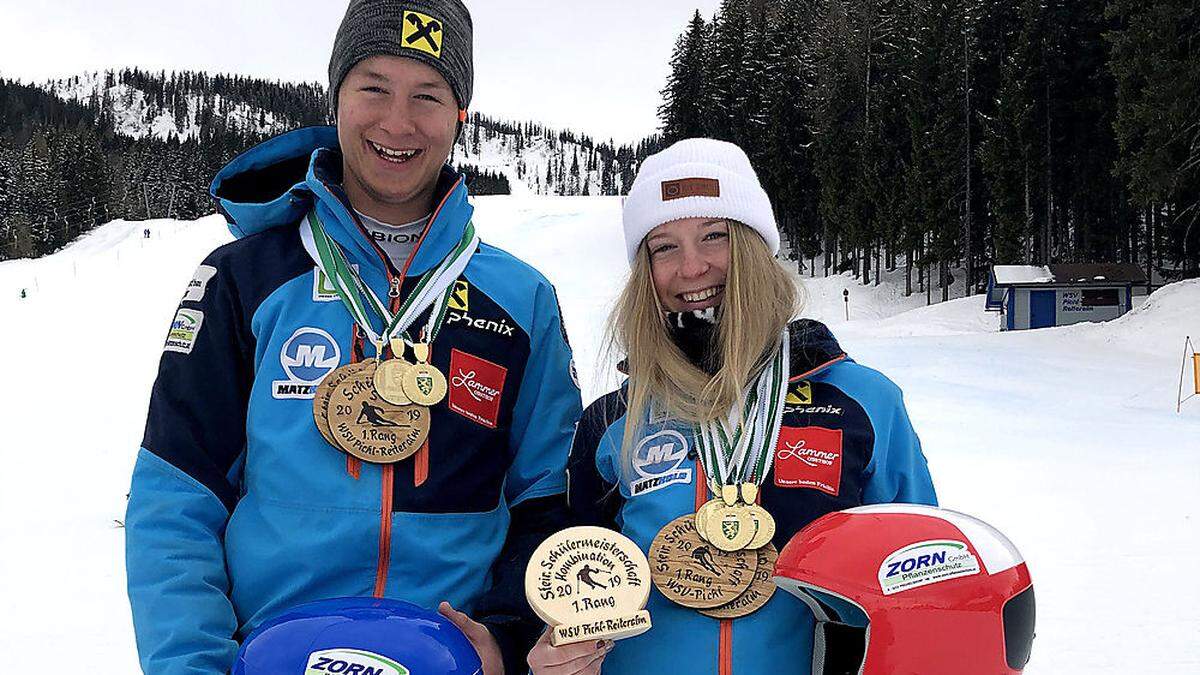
point(374, 416)
point(146, 233)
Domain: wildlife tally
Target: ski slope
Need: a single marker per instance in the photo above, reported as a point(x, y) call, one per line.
point(1066, 439)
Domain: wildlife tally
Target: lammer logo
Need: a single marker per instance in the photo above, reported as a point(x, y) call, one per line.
point(352, 662)
point(307, 357)
point(657, 460)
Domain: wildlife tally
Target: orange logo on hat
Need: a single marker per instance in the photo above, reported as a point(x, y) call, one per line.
point(690, 187)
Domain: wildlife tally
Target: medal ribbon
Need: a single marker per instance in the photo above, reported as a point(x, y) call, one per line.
point(436, 285)
point(738, 448)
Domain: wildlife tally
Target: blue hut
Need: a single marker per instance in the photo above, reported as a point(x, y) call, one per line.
point(1029, 296)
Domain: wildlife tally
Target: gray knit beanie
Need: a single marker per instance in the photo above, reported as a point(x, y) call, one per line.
point(435, 32)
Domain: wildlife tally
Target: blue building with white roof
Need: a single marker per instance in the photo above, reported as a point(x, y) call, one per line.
point(1030, 296)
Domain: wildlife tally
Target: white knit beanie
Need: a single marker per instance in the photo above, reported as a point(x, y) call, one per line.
point(697, 178)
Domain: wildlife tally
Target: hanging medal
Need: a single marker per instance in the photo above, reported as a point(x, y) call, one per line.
point(369, 409)
point(737, 452)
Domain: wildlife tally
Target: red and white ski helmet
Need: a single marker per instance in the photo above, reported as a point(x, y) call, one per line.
point(929, 591)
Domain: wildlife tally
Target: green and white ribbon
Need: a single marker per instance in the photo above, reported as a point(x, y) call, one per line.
point(435, 286)
point(739, 447)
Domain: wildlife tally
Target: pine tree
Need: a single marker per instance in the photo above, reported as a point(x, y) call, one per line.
point(682, 114)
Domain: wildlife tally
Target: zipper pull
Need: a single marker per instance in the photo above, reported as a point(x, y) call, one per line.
point(395, 290)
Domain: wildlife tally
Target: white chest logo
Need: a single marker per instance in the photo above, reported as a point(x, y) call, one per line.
point(307, 357)
point(657, 461)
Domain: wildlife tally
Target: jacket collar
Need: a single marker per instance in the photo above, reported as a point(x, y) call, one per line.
point(277, 182)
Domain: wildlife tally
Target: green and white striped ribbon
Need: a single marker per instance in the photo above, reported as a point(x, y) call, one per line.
point(738, 448)
point(436, 285)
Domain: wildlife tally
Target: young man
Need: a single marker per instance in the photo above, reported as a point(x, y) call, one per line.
point(250, 494)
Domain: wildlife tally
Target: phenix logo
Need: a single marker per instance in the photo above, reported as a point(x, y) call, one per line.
point(809, 456)
point(478, 390)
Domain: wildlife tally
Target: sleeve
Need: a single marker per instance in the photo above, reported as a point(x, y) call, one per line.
point(592, 496)
point(898, 471)
point(185, 485)
point(548, 406)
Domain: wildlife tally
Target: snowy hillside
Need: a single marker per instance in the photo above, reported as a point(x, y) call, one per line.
point(535, 159)
point(1067, 439)
point(136, 115)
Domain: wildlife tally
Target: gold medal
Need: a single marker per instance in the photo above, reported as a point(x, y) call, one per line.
point(702, 515)
point(692, 573)
point(324, 392)
point(730, 528)
point(424, 384)
point(756, 596)
point(370, 428)
point(389, 381)
point(764, 524)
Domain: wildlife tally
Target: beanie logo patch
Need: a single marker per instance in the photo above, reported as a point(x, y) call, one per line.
point(690, 187)
point(422, 33)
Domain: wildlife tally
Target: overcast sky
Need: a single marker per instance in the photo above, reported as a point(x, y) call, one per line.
point(595, 66)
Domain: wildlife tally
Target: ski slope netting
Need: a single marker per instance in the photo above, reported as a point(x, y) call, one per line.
point(1066, 439)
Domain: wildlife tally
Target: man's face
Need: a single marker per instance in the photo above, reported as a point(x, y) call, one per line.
point(396, 120)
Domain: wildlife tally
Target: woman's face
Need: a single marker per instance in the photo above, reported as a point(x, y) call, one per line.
point(689, 261)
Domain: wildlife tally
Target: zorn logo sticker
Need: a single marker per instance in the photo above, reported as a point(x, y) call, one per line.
point(423, 33)
point(352, 662)
point(657, 460)
point(809, 457)
point(307, 357)
point(476, 386)
point(924, 563)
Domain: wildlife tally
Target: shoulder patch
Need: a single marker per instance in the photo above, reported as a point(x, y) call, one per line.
point(185, 328)
point(199, 283)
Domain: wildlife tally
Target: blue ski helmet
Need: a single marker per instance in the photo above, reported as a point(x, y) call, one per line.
point(357, 636)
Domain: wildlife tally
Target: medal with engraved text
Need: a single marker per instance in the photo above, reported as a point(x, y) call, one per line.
point(370, 428)
point(752, 599)
point(691, 572)
point(589, 583)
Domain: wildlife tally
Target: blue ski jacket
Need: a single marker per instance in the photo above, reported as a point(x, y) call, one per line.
point(239, 509)
point(846, 441)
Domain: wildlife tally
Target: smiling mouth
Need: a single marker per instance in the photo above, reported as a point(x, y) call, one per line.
point(701, 296)
point(393, 155)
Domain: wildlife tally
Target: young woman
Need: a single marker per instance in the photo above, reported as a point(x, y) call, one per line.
point(737, 426)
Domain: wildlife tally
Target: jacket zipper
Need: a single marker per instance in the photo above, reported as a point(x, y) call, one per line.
point(725, 635)
point(388, 471)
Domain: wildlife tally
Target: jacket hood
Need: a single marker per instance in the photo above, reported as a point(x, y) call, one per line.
point(813, 346)
point(280, 180)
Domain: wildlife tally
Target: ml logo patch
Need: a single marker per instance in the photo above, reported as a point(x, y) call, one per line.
point(423, 33)
point(476, 386)
point(657, 460)
point(809, 457)
point(307, 357)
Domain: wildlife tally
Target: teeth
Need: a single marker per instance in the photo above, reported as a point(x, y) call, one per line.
point(390, 154)
point(703, 295)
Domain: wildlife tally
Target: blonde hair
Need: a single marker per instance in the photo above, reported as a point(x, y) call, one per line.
point(761, 297)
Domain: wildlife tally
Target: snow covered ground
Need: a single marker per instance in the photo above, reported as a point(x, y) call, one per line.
point(1067, 439)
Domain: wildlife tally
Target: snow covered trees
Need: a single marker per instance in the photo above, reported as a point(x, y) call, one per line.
point(958, 133)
